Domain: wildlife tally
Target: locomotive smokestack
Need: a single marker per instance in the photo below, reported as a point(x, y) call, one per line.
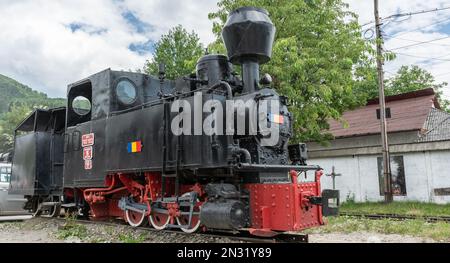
point(248, 36)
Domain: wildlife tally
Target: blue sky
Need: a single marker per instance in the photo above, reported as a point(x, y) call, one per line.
point(54, 43)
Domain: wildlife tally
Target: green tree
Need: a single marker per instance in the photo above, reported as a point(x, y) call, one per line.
point(179, 50)
point(366, 74)
point(16, 101)
point(366, 82)
point(19, 109)
point(411, 78)
point(9, 122)
point(317, 47)
point(407, 79)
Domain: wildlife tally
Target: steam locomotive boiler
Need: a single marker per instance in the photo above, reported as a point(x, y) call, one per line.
point(179, 153)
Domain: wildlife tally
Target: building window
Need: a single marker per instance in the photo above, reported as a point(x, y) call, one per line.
point(397, 174)
point(388, 113)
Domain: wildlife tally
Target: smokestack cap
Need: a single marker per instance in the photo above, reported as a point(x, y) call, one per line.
point(249, 35)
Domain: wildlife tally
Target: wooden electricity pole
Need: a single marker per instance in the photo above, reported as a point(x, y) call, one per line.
point(384, 141)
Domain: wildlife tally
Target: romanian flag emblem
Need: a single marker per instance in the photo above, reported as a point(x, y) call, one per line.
point(135, 147)
point(276, 118)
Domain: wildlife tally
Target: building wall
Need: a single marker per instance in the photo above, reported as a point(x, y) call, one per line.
point(364, 141)
point(440, 173)
point(424, 171)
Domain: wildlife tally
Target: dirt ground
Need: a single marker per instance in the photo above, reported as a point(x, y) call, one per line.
point(54, 231)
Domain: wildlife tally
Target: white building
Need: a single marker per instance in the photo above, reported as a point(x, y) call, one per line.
point(419, 138)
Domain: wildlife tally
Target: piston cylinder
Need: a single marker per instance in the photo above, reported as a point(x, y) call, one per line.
point(224, 214)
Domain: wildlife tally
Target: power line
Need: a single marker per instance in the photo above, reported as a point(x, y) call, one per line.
point(420, 43)
point(388, 72)
point(417, 13)
point(415, 56)
point(443, 74)
point(425, 59)
point(438, 75)
point(419, 28)
point(408, 14)
point(447, 45)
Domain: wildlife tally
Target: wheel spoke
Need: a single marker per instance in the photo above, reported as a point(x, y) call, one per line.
point(183, 220)
point(159, 221)
point(134, 218)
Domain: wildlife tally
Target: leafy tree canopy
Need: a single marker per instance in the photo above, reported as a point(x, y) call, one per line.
point(317, 48)
point(8, 123)
point(406, 79)
point(411, 78)
point(179, 50)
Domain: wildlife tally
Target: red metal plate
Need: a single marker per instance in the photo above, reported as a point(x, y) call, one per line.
point(278, 207)
point(88, 164)
point(88, 153)
point(87, 140)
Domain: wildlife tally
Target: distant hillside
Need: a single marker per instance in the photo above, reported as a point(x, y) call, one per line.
point(13, 92)
point(16, 102)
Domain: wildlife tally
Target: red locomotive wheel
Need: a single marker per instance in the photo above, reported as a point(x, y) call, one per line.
point(159, 221)
point(183, 220)
point(135, 219)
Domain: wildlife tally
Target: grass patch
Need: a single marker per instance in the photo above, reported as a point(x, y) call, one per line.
point(130, 238)
point(401, 208)
point(439, 231)
point(72, 230)
point(9, 225)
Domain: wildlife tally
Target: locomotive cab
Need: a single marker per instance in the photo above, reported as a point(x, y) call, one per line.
point(37, 163)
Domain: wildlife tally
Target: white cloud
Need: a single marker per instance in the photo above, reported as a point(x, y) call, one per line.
point(38, 47)
point(192, 14)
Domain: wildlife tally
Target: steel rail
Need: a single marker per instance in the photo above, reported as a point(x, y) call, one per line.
point(243, 236)
point(398, 217)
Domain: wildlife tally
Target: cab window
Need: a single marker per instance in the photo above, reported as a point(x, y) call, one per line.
point(5, 174)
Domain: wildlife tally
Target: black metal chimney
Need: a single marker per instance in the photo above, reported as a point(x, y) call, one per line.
point(248, 36)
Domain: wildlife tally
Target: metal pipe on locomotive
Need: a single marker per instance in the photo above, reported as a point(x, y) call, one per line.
point(119, 157)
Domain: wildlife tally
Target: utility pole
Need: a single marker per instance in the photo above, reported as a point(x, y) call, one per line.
point(384, 141)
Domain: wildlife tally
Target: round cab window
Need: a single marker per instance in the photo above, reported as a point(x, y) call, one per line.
point(81, 105)
point(126, 92)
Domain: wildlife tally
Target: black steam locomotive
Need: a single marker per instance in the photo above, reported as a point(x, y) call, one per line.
point(138, 147)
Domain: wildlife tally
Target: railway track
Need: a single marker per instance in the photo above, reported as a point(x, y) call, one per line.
point(242, 236)
point(398, 217)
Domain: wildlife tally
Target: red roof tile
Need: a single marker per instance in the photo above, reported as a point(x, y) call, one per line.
point(409, 111)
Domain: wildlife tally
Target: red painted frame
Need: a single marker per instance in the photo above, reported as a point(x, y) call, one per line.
point(284, 207)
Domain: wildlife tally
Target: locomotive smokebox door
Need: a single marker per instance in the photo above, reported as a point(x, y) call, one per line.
point(330, 202)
